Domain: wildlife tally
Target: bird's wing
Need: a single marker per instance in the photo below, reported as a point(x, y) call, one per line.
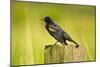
point(66, 36)
point(55, 26)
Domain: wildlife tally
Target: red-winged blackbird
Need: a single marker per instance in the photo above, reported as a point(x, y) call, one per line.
point(57, 32)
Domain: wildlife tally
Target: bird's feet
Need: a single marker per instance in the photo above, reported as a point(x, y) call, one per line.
point(55, 43)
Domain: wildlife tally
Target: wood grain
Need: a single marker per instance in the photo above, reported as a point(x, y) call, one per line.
point(62, 54)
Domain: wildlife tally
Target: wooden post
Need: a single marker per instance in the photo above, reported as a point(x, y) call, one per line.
point(62, 54)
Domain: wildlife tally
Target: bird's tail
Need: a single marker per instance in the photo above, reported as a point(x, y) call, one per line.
point(75, 43)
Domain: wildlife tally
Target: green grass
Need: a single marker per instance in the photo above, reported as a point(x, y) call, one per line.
point(29, 36)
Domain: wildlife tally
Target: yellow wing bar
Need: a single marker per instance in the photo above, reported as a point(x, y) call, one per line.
point(51, 29)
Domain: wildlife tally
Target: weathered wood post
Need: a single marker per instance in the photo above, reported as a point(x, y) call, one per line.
point(62, 54)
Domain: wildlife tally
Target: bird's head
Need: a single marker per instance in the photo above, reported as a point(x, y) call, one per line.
point(47, 19)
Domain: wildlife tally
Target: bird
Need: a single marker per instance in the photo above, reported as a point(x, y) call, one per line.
point(57, 32)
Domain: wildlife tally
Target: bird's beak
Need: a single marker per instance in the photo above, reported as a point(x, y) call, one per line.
point(42, 19)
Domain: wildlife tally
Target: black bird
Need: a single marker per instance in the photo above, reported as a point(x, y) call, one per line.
point(57, 32)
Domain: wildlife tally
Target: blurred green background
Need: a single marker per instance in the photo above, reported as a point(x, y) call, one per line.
point(29, 36)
